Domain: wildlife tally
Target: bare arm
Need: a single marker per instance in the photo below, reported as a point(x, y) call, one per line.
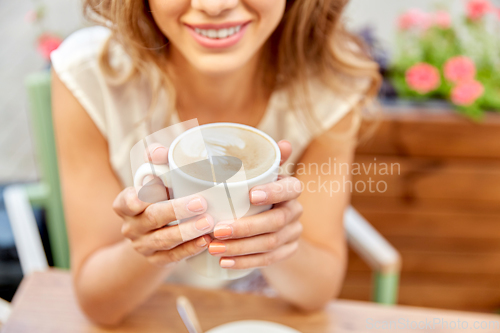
point(112, 275)
point(313, 275)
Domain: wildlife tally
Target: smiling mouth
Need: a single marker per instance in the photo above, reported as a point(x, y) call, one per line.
point(218, 33)
point(218, 36)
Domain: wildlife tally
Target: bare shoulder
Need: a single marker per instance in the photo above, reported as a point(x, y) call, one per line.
point(340, 139)
point(72, 124)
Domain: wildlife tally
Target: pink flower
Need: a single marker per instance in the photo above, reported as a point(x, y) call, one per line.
point(31, 16)
point(442, 19)
point(48, 43)
point(477, 9)
point(460, 68)
point(423, 78)
point(467, 92)
point(414, 18)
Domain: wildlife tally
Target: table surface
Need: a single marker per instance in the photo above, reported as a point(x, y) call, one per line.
point(45, 302)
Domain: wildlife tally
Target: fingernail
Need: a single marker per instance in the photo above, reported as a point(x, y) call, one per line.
point(216, 248)
point(226, 263)
point(201, 242)
point(258, 196)
point(159, 155)
point(202, 224)
point(223, 231)
point(195, 206)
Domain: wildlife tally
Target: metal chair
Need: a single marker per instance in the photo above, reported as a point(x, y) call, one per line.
point(362, 237)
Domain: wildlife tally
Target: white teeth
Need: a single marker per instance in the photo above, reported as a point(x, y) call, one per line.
point(218, 34)
point(212, 33)
point(222, 33)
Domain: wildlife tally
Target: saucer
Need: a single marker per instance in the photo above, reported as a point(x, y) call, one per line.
point(252, 326)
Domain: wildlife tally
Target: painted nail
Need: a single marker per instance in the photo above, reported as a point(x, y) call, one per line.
point(202, 224)
point(195, 206)
point(159, 155)
point(223, 231)
point(226, 263)
point(258, 196)
point(216, 248)
point(201, 242)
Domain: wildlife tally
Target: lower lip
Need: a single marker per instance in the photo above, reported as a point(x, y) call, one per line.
point(218, 43)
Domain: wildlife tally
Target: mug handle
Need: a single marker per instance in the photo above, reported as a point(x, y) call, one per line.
point(149, 169)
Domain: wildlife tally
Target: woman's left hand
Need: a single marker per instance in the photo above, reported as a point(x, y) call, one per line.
point(266, 238)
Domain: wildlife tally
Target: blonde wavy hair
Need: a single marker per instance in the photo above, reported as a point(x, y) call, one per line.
point(310, 41)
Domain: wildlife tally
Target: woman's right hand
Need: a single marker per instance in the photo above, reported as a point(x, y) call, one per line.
point(145, 224)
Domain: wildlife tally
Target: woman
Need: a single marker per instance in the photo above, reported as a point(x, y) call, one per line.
point(285, 67)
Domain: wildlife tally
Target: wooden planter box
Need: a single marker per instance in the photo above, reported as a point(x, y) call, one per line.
point(442, 212)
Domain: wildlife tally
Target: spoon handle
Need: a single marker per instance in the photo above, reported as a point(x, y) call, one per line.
point(188, 315)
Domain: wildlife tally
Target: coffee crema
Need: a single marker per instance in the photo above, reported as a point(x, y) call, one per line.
point(216, 153)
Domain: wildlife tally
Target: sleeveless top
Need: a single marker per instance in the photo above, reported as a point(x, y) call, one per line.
point(118, 109)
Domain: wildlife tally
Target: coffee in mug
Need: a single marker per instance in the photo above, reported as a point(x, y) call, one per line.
point(232, 146)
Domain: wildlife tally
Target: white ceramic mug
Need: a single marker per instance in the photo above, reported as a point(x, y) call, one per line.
point(226, 201)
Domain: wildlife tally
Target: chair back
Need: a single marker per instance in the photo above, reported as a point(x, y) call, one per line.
point(48, 193)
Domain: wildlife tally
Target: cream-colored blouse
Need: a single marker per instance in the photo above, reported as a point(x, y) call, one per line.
point(117, 109)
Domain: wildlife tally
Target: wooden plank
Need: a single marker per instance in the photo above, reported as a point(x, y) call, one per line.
point(427, 178)
point(470, 279)
point(443, 296)
point(435, 225)
point(441, 262)
point(468, 292)
point(433, 133)
point(431, 244)
point(412, 205)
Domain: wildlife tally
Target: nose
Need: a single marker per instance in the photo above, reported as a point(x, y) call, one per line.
point(213, 7)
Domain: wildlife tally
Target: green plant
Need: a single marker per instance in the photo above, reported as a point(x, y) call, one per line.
point(457, 61)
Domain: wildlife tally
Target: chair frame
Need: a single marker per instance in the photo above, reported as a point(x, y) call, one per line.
point(381, 256)
point(5, 310)
point(47, 193)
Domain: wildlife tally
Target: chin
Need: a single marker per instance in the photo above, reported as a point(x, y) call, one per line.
point(218, 64)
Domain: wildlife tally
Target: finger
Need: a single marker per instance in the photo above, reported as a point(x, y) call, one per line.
point(257, 244)
point(156, 153)
point(183, 251)
point(286, 150)
point(127, 203)
point(269, 221)
point(172, 236)
point(153, 190)
point(285, 189)
point(160, 214)
point(261, 259)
